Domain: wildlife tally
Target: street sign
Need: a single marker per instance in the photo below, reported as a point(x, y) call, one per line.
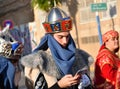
point(6, 22)
point(98, 7)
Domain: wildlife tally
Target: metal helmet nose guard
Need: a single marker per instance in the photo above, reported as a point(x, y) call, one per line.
point(57, 21)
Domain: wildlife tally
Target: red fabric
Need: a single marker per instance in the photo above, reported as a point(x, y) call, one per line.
point(109, 34)
point(59, 26)
point(106, 67)
point(118, 79)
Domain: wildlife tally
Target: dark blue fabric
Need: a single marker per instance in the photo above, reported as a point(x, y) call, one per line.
point(7, 70)
point(63, 57)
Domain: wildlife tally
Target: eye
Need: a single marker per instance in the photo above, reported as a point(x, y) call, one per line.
point(68, 36)
point(60, 37)
point(114, 38)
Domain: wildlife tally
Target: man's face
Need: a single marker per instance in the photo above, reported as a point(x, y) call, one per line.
point(62, 38)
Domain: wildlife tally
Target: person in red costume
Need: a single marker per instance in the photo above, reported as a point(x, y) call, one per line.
point(107, 62)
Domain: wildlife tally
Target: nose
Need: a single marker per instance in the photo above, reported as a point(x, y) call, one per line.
point(65, 40)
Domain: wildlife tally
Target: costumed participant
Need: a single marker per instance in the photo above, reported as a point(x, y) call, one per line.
point(56, 60)
point(107, 61)
point(10, 53)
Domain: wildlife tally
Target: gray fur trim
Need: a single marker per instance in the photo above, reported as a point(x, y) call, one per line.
point(31, 60)
point(91, 60)
point(83, 60)
point(46, 64)
point(43, 61)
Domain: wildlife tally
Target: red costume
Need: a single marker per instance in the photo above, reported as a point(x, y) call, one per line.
point(106, 66)
point(118, 79)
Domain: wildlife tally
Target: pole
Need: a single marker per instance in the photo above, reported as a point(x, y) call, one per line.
point(99, 28)
point(98, 24)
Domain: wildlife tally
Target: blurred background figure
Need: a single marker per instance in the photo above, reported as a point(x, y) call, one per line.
point(10, 53)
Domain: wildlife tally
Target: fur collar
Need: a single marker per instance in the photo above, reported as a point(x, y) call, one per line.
point(43, 61)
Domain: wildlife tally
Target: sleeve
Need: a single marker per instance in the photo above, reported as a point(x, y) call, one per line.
point(109, 71)
point(42, 84)
point(118, 79)
point(55, 86)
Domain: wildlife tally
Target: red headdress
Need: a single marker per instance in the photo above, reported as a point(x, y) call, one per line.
point(57, 21)
point(107, 36)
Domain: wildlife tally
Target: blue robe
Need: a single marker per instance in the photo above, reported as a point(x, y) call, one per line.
point(7, 72)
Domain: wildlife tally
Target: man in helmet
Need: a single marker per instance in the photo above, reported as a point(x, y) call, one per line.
point(56, 60)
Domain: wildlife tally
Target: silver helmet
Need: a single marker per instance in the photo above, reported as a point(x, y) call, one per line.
point(56, 14)
point(57, 20)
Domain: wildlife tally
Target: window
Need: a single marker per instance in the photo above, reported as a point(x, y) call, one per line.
point(85, 11)
point(86, 15)
point(85, 3)
point(90, 39)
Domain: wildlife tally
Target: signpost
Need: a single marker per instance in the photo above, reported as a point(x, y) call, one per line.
point(95, 7)
point(98, 7)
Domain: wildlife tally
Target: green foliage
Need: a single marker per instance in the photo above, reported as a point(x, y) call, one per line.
point(45, 5)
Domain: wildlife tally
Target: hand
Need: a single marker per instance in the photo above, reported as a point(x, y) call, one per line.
point(68, 80)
